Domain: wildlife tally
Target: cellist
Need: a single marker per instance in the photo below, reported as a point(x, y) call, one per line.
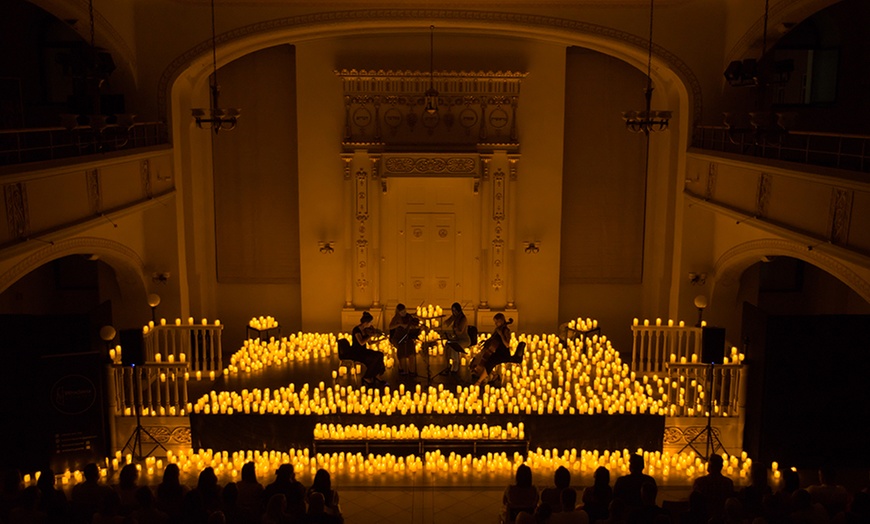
point(496, 350)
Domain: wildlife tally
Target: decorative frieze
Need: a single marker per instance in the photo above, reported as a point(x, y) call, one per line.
point(17, 215)
point(95, 198)
point(840, 216)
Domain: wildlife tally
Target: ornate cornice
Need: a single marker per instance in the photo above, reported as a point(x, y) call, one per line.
point(543, 24)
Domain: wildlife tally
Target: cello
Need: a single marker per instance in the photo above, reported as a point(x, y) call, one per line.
point(490, 345)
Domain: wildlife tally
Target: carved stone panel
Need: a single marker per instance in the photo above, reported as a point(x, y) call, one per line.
point(17, 215)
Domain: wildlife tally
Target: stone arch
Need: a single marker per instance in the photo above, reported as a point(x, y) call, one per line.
point(128, 266)
point(733, 262)
point(667, 67)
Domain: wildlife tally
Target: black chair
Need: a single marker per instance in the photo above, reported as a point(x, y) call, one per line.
point(344, 355)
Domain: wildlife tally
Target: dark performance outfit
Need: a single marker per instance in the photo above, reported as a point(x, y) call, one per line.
point(501, 354)
point(373, 360)
point(403, 333)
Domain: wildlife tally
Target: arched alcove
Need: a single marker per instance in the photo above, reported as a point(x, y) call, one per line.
point(802, 326)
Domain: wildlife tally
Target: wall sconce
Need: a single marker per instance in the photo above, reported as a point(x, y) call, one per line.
point(161, 277)
point(326, 248)
point(697, 279)
point(532, 247)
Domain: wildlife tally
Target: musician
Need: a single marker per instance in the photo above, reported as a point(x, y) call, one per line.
point(458, 334)
point(373, 360)
point(403, 336)
point(496, 350)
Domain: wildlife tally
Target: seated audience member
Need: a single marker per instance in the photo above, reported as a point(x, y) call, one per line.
point(317, 511)
point(522, 496)
point(250, 500)
point(26, 508)
point(754, 495)
point(147, 513)
point(597, 497)
point(87, 497)
point(617, 512)
point(569, 514)
point(715, 487)
point(648, 512)
point(323, 485)
point(697, 512)
point(286, 484)
point(192, 508)
point(109, 512)
point(778, 506)
point(552, 496)
point(209, 490)
point(170, 493)
point(276, 511)
point(126, 489)
point(52, 501)
point(627, 487)
point(828, 493)
point(230, 510)
point(803, 511)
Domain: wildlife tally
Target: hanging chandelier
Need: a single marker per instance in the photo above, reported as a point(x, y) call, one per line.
point(215, 117)
point(431, 95)
point(647, 120)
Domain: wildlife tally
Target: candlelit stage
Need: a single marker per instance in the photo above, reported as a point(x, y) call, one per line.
point(240, 431)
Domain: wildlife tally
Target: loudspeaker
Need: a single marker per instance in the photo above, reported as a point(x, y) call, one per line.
point(132, 347)
point(712, 344)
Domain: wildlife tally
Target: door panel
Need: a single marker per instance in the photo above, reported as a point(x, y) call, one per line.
point(430, 254)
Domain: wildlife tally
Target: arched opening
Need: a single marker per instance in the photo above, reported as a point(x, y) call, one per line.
point(54, 375)
point(806, 343)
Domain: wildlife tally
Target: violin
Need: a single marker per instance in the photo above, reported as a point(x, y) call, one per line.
point(401, 332)
point(375, 335)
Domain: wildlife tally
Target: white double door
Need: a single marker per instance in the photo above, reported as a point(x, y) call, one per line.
point(427, 239)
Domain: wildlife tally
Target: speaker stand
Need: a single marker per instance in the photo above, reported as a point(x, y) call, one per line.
point(711, 442)
point(134, 442)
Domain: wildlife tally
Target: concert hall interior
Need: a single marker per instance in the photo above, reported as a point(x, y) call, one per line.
point(663, 206)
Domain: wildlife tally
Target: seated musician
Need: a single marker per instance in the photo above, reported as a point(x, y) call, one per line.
point(403, 335)
point(373, 360)
point(458, 334)
point(496, 350)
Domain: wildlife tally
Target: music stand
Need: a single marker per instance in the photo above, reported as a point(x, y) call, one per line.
point(134, 442)
point(455, 347)
point(712, 442)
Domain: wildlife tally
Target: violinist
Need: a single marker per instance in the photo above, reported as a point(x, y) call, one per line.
point(403, 336)
point(458, 335)
point(373, 360)
point(496, 350)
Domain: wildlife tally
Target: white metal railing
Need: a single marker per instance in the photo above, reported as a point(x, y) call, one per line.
point(196, 344)
point(652, 346)
point(692, 386)
point(717, 387)
point(151, 389)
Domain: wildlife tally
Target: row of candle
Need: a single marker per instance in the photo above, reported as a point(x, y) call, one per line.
point(429, 311)
point(190, 322)
point(658, 322)
point(662, 465)
point(412, 432)
point(261, 323)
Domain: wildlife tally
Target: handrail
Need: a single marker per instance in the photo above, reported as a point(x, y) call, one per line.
point(25, 145)
point(152, 389)
point(819, 148)
point(199, 344)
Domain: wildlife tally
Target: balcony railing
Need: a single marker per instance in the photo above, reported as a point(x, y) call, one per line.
point(841, 151)
point(20, 146)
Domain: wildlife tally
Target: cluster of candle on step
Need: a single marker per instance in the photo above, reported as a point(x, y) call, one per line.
point(261, 323)
point(664, 466)
point(412, 432)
